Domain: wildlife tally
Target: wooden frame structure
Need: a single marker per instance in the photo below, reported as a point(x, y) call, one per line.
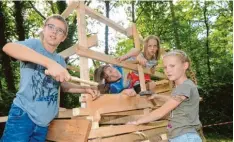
point(104, 119)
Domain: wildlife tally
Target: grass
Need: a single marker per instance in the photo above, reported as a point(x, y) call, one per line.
point(213, 137)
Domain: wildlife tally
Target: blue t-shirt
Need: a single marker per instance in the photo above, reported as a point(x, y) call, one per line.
point(38, 92)
point(120, 85)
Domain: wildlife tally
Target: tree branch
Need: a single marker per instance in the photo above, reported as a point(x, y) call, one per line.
point(38, 12)
point(52, 7)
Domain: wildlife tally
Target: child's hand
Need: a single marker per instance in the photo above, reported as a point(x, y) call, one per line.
point(94, 93)
point(121, 58)
point(141, 60)
point(129, 92)
point(58, 72)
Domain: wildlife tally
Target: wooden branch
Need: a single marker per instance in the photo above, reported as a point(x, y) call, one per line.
point(122, 129)
point(109, 59)
point(91, 41)
point(71, 7)
point(104, 20)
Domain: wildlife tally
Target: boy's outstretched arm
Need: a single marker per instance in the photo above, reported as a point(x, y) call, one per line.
point(24, 53)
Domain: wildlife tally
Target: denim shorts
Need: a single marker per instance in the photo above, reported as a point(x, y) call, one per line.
point(188, 137)
point(20, 128)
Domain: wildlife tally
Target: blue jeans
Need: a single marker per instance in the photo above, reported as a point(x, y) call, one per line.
point(188, 137)
point(20, 128)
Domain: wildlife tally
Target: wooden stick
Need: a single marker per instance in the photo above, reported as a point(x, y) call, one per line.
point(76, 79)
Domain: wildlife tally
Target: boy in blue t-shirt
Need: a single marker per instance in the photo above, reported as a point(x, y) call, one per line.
point(36, 102)
point(114, 80)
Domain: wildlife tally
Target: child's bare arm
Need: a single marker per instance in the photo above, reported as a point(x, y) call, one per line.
point(133, 52)
point(24, 53)
point(167, 107)
point(74, 88)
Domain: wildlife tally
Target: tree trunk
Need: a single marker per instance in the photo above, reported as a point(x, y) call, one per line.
point(19, 20)
point(6, 62)
point(207, 40)
point(175, 26)
point(133, 12)
point(107, 3)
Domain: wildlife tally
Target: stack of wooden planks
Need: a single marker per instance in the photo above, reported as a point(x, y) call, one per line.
point(104, 120)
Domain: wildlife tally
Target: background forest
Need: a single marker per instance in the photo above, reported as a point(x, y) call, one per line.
point(204, 29)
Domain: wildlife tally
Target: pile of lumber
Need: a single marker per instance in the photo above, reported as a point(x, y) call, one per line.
point(104, 120)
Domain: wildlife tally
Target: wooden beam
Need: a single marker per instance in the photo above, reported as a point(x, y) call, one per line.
point(151, 135)
point(91, 41)
point(84, 68)
point(69, 51)
point(124, 113)
point(111, 120)
point(109, 131)
point(115, 103)
point(71, 7)
point(105, 20)
point(109, 59)
point(69, 130)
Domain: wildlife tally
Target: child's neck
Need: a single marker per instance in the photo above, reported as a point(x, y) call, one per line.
point(180, 80)
point(148, 57)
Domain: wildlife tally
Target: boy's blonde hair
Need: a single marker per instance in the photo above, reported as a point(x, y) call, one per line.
point(58, 17)
point(146, 40)
point(184, 58)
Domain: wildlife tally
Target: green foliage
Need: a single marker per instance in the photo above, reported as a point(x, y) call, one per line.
point(154, 17)
point(123, 47)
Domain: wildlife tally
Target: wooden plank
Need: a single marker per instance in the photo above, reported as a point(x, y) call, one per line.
point(91, 41)
point(3, 119)
point(118, 119)
point(124, 113)
point(109, 59)
point(162, 88)
point(105, 20)
point(84, 69)
point(136, 40)
point(141, 77)
point(71, 7)
point(69, 51)
point(69, 130)
point(152, 135)
point(115, 103)
point(69, 113)
point(108, 131)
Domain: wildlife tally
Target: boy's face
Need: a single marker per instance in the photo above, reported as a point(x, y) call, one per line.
point(54, 32)
point(152, 47)
point(111, 74)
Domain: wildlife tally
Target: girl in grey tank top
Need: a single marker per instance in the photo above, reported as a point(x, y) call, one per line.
point(183, 102)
